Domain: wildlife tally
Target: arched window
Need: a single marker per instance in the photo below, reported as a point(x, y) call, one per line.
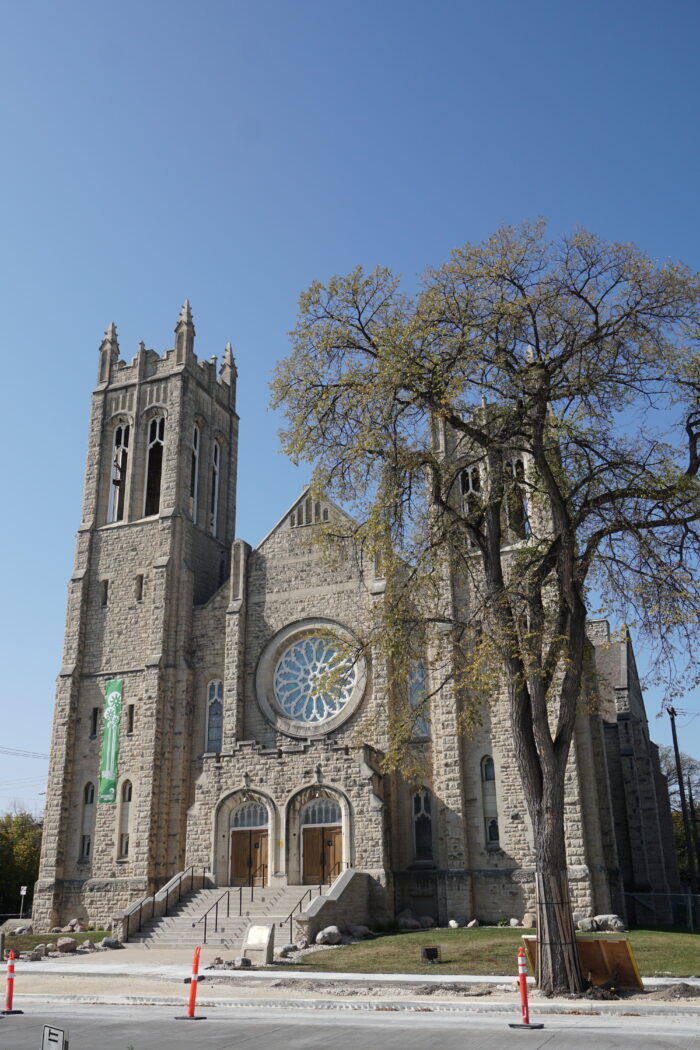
point(215, 713)
point(250, 815)
point(515, 499)
point(194, 473)
point(124, 819)
point(489, 800)
point(321, 812)
point(423, 825)
point(87, 822)
point(120, 459)
point(214, 494)
point(470, 486)
point(417, 692)
point(154, 465)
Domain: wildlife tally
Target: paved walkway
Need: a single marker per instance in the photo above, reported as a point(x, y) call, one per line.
point(137, 975)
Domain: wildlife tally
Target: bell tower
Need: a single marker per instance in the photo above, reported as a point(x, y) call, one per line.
point(155, 537)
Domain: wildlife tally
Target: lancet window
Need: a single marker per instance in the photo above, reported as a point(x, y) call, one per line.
point(215, 711)
point(214, 493)
point(154, 465)
point(120, 459)
point(423, 825)
point(194, 472)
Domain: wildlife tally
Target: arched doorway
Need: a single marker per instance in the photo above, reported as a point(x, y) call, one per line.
point(249, 839)
point(321, 840)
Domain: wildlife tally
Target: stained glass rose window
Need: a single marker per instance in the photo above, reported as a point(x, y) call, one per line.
point(314, 679)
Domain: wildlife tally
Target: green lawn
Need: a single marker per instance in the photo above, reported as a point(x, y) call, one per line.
point(26, 941)
point(489, 950)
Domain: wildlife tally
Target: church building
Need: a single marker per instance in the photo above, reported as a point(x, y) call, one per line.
point(195, 723)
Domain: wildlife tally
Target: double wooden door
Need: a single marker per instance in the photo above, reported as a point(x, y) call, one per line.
point(322, 853)
point(248, 857)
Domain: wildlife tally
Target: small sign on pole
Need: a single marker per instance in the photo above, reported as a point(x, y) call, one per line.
point(23, 894)
point(54, 1038)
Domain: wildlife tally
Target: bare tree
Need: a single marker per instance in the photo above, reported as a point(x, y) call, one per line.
point(528, 424)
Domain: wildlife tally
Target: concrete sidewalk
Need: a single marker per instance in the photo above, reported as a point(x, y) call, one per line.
point(139, 976)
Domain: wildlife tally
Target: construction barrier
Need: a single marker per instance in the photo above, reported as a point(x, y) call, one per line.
point(524, 1006)
point(10, 987)
point(193, 981)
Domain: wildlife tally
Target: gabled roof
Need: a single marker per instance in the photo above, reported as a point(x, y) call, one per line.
point(305, 492)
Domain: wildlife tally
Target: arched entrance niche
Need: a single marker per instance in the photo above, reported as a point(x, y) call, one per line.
point(319, 835)
point(246, 832)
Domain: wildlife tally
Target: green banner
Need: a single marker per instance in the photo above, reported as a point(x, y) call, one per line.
point(110, 741)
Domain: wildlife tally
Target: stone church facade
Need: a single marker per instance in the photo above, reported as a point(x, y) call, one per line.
point(232, 753)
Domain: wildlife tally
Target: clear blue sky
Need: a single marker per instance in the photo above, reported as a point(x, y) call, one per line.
point(232, 152)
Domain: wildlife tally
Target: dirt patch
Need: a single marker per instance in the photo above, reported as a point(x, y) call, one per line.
point(675, 991)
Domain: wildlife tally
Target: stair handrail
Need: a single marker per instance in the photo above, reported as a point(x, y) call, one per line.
point(297, 907)
point(227, 894)
point(139, 906)
point(338, 867)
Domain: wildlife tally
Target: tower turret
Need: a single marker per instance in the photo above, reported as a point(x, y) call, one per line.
point(109, 353)
point(184, 334)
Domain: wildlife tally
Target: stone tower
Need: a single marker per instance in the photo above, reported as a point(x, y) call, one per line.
point(154, 542)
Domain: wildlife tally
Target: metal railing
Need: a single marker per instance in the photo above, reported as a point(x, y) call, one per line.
point(297, 907)
point(262, 868)
point(337, 869)
point(143, 904)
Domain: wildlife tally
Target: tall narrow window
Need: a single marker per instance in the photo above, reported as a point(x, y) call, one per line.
point(488, 794)
point(88, 822)
point(125, 819)
point(154, 465)
point(194, 473)
point(138, 587)
point(215, 711)
point(130, 719)
point(417, 693)
point(117, 488)
point(423, 825)
point(516, 503)
point(94, 716)
point(104, 592)
point(214, 494)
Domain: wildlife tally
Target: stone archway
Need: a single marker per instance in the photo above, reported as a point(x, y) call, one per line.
point(245, 835)
point(319, 835)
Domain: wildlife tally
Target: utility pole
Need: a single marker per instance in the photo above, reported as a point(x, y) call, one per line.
point(690, 852)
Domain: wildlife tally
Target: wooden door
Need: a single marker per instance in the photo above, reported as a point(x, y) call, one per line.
point(313, 848)
point(333, 851)
point(248, 855)
point(322, 850)
point(258, 855)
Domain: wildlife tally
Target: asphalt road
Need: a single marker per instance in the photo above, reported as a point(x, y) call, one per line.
point(226, 1028)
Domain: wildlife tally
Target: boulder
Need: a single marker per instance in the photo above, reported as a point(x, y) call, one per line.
point(302, 943)
point(473, 923)
point(514, 922)
point(427, 922)
point(359, 932)
point(41, 950)
point(331, 935)
point(56, 929)
point(110, 942)
point(79, 928)
point(453, 924)
point(88, 945)
point(289, 949)
point(66, 945)
point(20, 930)
point(407, 923)
point(529, 920)
point(73, 923)
point(613, 923)
point(587, 925)
point(66, 929)
point(241, 962)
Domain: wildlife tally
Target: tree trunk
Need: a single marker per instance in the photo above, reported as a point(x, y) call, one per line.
point(558, 964)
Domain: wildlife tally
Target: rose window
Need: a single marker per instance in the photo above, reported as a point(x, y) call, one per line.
point(314, 680)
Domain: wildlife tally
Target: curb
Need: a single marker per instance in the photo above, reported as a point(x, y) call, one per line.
point(383, 1005)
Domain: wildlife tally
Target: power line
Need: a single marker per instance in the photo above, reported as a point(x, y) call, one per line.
point(20, 754)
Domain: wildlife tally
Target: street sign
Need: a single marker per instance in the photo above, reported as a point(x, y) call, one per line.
point(54, 1038)
point(22, 891)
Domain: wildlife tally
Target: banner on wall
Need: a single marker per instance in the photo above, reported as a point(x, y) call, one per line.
point(110, 741)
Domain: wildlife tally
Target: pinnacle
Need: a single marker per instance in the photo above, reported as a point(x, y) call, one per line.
point(185, 313)
point(111, 332)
